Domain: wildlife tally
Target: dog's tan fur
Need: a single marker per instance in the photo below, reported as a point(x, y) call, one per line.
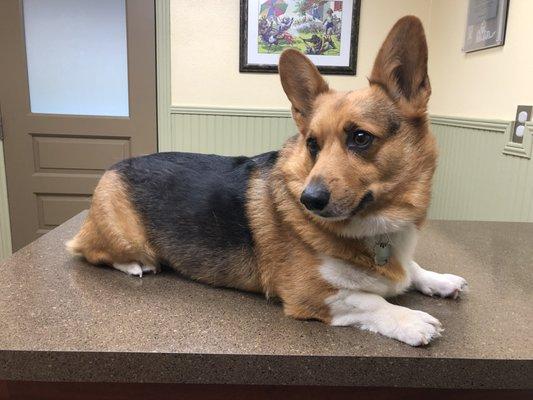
point(113, 231)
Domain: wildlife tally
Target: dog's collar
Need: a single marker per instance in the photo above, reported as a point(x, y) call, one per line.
point(382, 249)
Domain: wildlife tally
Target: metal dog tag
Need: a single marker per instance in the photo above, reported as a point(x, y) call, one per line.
point(382, 252)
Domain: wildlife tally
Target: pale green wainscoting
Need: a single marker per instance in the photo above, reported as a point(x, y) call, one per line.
point(228, 131)
point(474, 180)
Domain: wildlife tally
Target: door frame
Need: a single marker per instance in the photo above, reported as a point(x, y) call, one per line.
point(163, 74)
point(5, 225)
point(162, 27)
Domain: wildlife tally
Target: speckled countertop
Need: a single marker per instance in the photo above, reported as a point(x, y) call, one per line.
point(64, 320)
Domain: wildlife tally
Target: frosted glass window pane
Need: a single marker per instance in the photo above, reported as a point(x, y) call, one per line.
point(77, 56)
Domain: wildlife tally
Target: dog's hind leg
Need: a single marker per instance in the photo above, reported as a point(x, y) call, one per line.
point(136, 269)
point(129, 268)
point(113, 233)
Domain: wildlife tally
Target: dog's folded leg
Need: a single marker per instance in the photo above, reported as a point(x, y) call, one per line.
point(432, 283)
point(129, 268)
point(149, 268)
point(372, 312)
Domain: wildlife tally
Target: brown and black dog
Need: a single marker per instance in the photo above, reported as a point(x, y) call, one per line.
point(328, 224)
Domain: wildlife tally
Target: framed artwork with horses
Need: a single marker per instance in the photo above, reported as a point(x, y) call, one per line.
point(326, 31)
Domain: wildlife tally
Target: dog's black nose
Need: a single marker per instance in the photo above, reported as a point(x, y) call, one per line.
point(315, 197)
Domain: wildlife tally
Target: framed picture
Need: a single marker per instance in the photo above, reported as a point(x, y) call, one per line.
point(326, 31)
point(486, 24)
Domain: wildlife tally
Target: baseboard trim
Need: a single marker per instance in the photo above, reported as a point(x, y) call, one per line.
point(488, 125)
point(499, 126)
point(232, 111)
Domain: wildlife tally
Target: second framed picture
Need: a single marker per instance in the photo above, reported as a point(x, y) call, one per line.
point(486, 24)
point(326, 31)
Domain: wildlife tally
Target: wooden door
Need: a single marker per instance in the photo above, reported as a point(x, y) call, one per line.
point(54, 160)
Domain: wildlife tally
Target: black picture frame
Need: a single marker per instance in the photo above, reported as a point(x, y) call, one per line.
point(489, 21)
point(350, 69)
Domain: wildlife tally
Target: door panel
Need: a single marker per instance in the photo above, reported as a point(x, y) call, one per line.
point(54, 209)
point(77, 153)
point(53, 161)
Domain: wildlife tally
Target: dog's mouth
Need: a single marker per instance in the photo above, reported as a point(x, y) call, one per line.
point(330, 214)
point(364, 202)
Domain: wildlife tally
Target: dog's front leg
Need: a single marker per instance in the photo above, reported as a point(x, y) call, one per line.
point(372, 312)
point(432, 283)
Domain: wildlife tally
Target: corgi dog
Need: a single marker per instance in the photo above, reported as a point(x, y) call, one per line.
point(328, 224)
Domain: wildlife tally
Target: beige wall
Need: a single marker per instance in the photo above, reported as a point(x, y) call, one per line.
point(486, 84)
point(205, 53)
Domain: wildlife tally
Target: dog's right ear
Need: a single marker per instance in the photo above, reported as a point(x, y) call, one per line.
point(302, 83)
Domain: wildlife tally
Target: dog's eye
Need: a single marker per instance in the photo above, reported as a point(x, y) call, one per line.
point(312, 146)
point(359, 140)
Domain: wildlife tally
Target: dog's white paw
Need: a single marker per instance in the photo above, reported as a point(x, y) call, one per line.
point(130, 268)
point(443, 285)
point(149, 269)
point(373, 313)
point(413, 327)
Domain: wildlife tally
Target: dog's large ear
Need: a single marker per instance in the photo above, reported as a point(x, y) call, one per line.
point(401, 65)
point(302, 83)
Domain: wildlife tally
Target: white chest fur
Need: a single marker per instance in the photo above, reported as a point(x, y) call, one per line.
point(343, 275)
